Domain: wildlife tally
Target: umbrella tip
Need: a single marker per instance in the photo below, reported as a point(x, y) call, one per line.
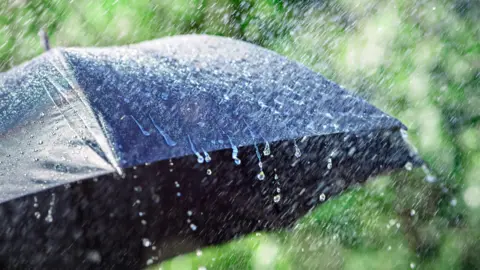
point(44, 39)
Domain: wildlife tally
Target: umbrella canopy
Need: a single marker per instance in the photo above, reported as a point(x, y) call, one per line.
point(180, 142)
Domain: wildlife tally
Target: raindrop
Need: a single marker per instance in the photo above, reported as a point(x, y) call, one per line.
point(144, 222)
point(40, 142)
point(453, 202)
point(209, 172)
point(412, 212)
point(179, 194)
point(37, 215)
point(428, 174)
point(146, 242)
point(234, 153)
point(322, 197)
point(168, 139)
point(164, 96)
point(276, 177)
point(145, 133)
point(202, 268)
point(149, 261)
point(177, 185)
point(49, 217)
point(408, 166)
point(94, 256)
point(329, 163)
point(200, 159)
point(189, 213)
point(261, 176)
point(138, 189)
point(297, 150)
point(193, 227)
point(412, 265)
point(277, 198)
point(266, 150)
point(198, 252)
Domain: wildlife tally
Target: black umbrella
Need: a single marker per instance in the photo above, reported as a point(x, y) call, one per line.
point(119, 156)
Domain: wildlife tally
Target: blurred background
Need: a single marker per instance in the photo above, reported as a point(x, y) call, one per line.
point(416, 60)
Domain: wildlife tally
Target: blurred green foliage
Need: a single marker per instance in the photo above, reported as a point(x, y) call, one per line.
point(417, 60)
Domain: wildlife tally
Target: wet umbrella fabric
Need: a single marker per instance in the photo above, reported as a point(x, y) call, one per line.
point(180, 142)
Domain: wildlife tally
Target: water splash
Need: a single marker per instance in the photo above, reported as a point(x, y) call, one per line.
point(234, 152)
point(145, 133)
point(168, 139)
point(200, 159)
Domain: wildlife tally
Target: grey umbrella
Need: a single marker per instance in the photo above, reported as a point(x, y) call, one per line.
point(112, 157)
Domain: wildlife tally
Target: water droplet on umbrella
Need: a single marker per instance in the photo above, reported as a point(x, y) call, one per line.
point(144, 132)
point(234, 153)
point(200, 159)
point(168, 139)
point(207, 156)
